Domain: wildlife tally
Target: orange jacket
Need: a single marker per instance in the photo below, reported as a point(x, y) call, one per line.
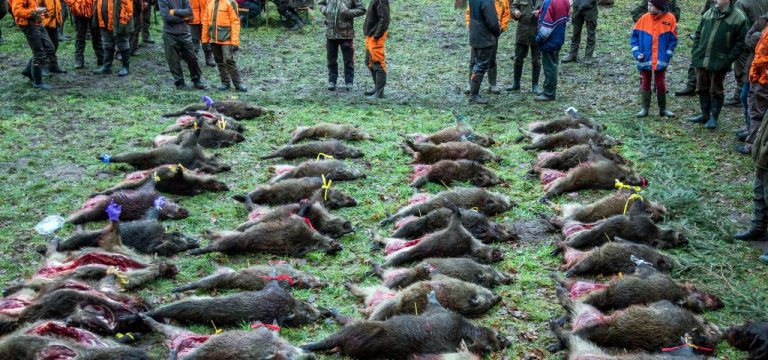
point(198, 8)
point(24, 11)
point(126, 13)
point(52, 18)
point(226, 31)
point(758, 72)
point(81, 8)
point(502, 10)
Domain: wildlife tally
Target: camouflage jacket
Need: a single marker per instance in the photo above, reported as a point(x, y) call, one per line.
point(340, 17)
point(527, 25)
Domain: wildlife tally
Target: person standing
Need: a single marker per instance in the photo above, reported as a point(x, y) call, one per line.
point(690, 84)
point(177, 42)
point(27, 15)
point(82, 13)
point(642, 8)
point(653, 42)
point(553, 17)
point(290, 14)
point(375, 27)
point(221, 25)
point(484, 31)
point(721, 40)
point(757, 101)
point(525, 42)
point(584, 12)
point(196, 30)
point(340, 33)
point(753, 9)
point(115, 19)
point(52, 19)
point(502, 12)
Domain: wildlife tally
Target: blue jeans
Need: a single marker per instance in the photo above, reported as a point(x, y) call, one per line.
point(743, 99)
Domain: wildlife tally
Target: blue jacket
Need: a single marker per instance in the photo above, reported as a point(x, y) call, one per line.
point(656, 38)
point(552, 20)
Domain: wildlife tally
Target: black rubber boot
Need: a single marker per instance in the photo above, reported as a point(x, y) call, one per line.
point(517, 74)
point(535, 72)
point(714, 114)
point(661, 98)
point(125, 69)
point(645, 103)
point(106, 65)
point(27, 72)
point(474, 90)
point(209, 58)
point(571, 57)
point(37, 78)
point(373, 76)
point(381, 81)
point(493, 88)
point(752, 234)
point(705, 102)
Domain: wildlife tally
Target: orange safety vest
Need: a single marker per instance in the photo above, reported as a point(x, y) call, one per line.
point(126, 13)
point(24, 11)
point(226, 30)
point(758, 72)
point(52, 18)
point(80, 8)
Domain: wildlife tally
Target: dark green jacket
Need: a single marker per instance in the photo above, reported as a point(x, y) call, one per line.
point(720, 40)
point(760, 147)
point(527, 25)
point(642, 8)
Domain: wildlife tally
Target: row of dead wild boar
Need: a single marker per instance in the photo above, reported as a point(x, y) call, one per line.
point(641, 312)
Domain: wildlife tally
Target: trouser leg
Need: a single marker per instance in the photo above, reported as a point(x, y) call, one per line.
point(332, 56)
point(549, 62)
point(172, 57)
point(590, 20)
point(760, 200)
point(348, 54)
point(146, 17)
point(578, 24)
point(108, 46)
point(48, 46)
point(81, 29)
point(218, 56)
point(186, 52)
point(228, 58)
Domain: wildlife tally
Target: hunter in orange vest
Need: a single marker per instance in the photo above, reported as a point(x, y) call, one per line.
point(28, 16)
point(115, 19)
point(221, 29)
point(82, 13)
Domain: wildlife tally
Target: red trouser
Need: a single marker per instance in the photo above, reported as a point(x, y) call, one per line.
point(658, 79)
point(374, 52)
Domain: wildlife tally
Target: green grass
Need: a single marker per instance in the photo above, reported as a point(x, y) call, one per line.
point(694, 172)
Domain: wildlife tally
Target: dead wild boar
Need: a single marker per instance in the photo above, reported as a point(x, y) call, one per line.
point(210, 137)
point(237, 109)
point(751, 337)
point(291, 236)
point(453, 241)
point(32, 347)
point(486, 202)
point(313, 149)
point(273, 304)
point(135, 205)
point(574, 156)
point(592, 175)
point(260, 343)
point(643, 327)
point(185, 122)
point(571, 120)
point(147, 236)
point(567, 138)
point(644, 286)
point(476, 223)
point(636, 226)
point(460, 132)
point(326, 223)
point(403, 336)
point(459, 296)
point(335, 170)
point(326, 131)
point(254, 278)
point(448, 171)
point(294, 190)
point(457, 268)
point(188, 153)
point(606, 207)
point(428, 153)
point(170, 179)
point(611, 258)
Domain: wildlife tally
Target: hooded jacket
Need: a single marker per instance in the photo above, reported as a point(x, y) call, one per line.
point(484, 27)
point(720, 40)
point(655, 37)
point(226, 30)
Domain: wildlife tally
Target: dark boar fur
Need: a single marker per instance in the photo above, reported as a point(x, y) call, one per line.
point(260, 343)
point(644, 286)
point(428, 153)
point(326, 130)
point(290, 236)
point(188, 153)
point(594, 175)
point(171, 179)
point(208, 118)
point(457, 268)
point(573, 157)
point(453, 241)
point(146, 236)
point(435, 331)
point(486, 202)
point(273, 304)
point(135, 205)
point(460, 132)
point(237, 109)
point(608, 206)
point(29, 347)
point(751, 337)
point(636, 226)
point(640, 327)
point(567, 138)
point(611, 258)
point(210, 137)
point(447, 171)
point(326, 223)
point(581, 349)
point(254, 278)
point(335, 170)
point(455, 295)
point(312, 149)
point(571, 120)
point(294, 190)
point(475, 222)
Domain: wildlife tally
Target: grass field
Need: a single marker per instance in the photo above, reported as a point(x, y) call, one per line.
point(50, 139)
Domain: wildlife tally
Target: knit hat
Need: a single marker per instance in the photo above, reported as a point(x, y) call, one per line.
point(660, 4)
